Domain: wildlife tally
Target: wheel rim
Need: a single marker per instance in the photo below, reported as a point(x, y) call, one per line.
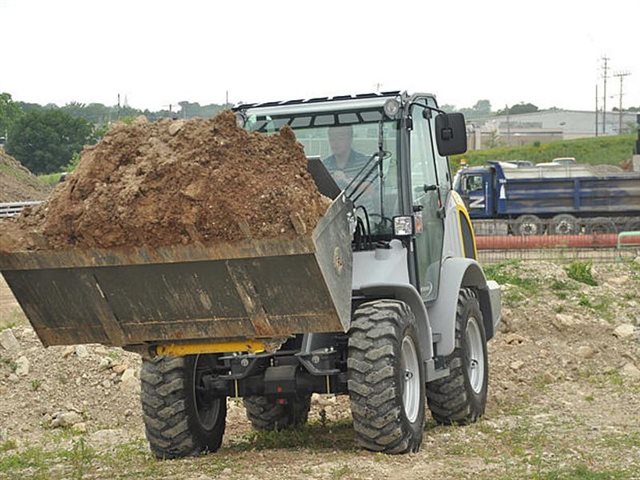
point(411, 375)
point(528, 228)
point(475, 355)
point(564, 226)
point(207, 408)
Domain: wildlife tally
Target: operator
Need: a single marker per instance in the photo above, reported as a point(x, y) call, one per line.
point(344, 163)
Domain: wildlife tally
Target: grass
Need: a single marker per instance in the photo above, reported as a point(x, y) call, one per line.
point(611, 150)
point(583, 472)
point(12, 318)
point(336, 435)
point(8, 445)
point(80, 460)
point(520, 288)
point(341, 471)
point(581, 272)
point(600, 305)
point(13, 366)
point(50, 179)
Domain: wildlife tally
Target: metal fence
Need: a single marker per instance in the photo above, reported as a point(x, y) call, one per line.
point(498, 243)
point(14, 208)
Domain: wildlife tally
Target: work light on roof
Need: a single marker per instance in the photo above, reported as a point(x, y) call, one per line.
point(391, 108)
point(241, 119)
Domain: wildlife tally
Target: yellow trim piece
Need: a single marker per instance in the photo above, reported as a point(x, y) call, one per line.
point(461, 208)
point(457, 198)
point(182, 349)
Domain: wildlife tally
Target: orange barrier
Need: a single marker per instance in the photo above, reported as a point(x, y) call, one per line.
point(548, 241)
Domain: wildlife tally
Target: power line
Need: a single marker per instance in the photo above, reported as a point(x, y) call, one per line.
point(605, 67)
point(621, 75)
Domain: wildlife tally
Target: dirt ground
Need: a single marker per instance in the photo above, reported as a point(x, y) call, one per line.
point(564, 400)
point(176, 182)
point(18, 184)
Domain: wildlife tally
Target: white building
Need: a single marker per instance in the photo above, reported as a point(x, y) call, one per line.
point(546, 126)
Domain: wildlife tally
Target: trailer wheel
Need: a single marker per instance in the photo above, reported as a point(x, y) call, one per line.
point(563, 224)
point(526, 225)
point(632, 225)
point(267, 414)
point(461, 397)
point(386, 377)
point(600, 226)
point(180, 418)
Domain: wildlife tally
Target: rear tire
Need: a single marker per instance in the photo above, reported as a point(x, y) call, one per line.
point(267, 414)
point(386, 377)
point(180, 420)
point(461, 397)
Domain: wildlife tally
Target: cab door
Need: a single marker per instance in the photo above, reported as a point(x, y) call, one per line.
point(427, 199)
point(476, 189)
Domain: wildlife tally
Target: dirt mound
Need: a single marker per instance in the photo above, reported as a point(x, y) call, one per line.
point(177, 182)
point(17, 183)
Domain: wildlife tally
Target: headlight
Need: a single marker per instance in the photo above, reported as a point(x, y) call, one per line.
point(403, 226)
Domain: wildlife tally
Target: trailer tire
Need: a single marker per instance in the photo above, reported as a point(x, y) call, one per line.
point(632, 225)
point(267, 414)
point(600, 226)
point(527, 225)
point(461, 397)
point(386, 377)
point(179, 420)
point(563, 224)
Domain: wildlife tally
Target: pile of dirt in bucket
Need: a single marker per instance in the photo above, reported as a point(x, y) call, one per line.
point(176, 182)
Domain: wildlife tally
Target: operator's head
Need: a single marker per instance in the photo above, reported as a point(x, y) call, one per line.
point(340, 139)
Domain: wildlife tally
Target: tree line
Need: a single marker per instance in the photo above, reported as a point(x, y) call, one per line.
point(47, 138)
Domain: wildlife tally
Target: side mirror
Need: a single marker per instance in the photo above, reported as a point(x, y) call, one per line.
point(451, 134)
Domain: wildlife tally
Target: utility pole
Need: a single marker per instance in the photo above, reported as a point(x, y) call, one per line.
point(621, 75)
point(596, 109)
point(605, 67)
point(508, 126)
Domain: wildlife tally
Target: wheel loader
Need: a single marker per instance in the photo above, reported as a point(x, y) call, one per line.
point(383, 301)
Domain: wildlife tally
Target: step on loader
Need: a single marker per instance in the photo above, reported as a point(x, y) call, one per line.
point(383, 301)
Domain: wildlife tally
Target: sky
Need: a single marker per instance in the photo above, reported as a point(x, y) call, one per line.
point(158, 53)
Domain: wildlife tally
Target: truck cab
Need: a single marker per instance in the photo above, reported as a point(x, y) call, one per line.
point(475, 186)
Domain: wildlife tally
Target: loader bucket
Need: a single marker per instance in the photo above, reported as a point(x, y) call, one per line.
point(247, 289)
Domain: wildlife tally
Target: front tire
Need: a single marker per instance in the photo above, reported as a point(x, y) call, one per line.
point(386, 377)
point(461, 397)
point(180, 418)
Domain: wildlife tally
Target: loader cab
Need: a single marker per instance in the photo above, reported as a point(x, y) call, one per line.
point(400, 144)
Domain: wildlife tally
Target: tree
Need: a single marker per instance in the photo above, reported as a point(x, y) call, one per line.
point(45, 141)
point(9, 113)
point(518, 109)
point(483, 107)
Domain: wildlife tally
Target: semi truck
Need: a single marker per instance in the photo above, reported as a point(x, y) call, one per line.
point(559, 200)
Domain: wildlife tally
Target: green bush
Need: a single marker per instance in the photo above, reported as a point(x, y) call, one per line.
point(609, 150)
point(581, 272)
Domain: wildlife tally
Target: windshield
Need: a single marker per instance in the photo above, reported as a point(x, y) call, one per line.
point(346, 143)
